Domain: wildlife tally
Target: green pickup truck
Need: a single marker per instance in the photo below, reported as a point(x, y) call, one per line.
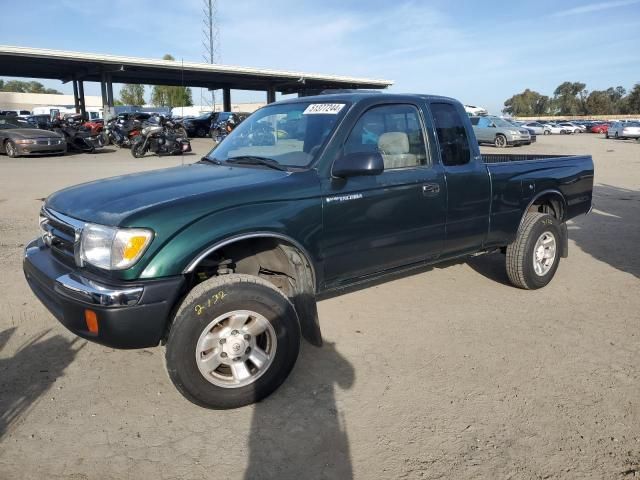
point(221, 261)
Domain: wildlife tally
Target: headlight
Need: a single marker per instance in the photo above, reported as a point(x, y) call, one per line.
point(513, 132)
point(25, 141)
point(113, 248)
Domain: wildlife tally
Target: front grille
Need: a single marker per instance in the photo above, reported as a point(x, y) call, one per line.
point(61, 234)
point(49, 141)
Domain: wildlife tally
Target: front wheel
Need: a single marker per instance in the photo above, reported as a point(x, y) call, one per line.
point(500, 141)
point(533, 258)
point(233, 341)
point(11, 149)
point(547, 132)
point(138, 150)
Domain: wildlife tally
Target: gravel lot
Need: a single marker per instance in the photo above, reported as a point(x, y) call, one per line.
point(448, 373)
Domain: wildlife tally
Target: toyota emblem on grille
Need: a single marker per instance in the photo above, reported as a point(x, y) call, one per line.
point(47, 238)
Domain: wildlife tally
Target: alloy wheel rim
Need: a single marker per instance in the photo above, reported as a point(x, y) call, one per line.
point(236, 348)
point(544, 254)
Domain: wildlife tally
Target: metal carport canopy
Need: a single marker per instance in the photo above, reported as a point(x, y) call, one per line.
point(67, 66)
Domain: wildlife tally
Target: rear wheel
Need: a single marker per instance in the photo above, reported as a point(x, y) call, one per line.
point(547, 132)
point(11, 149)
point(606, 134)
point(234, 340)
point(500, 141)
point(533, 258)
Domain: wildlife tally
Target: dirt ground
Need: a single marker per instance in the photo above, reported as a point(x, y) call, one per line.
point(448, 373)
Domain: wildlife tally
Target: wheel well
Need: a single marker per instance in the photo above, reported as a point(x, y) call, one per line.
point(551, 203)
point(277, 261)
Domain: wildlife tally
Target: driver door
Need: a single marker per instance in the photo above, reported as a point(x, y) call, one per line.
point(377, 223)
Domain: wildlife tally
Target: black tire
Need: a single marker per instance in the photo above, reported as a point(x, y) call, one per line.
point(11, 149)
point(500, 141)
point(616, 136)
point(547, 132)
point(138, 150)
point(233, 292)
point(521, 253)
point(606, 134)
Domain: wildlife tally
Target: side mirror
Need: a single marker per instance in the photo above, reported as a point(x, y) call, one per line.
point(493, 125)
point(358, 164)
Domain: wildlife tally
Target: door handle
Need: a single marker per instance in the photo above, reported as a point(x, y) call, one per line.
point(430, 189)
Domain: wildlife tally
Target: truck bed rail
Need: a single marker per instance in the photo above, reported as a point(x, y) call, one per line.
point(505, 157)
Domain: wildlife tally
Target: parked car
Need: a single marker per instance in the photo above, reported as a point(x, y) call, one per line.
point(555, 129)
point(537, 128)
point(499, 132)
point(17, 113)
point(221, 261)
point(569, 127)
point(18, 139)
point(599, 128)
point(624, 130)
point(199, 126)
point(40, 121)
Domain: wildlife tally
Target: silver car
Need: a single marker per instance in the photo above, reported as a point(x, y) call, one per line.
point(624, 130)
point(499, 132)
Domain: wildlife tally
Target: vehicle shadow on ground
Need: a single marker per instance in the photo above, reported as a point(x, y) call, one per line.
point(300, 431)
point(98, 151)
point(611, 233)
point(30, 372)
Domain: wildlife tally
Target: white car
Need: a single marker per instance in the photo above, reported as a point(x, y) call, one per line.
point(555, 129)
point(537, 128)
point(569, 127)
point(624, 130)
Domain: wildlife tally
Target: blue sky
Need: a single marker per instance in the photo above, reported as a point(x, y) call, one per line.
point(478, 52)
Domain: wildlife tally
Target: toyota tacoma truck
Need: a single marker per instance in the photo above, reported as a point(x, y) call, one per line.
point(221, 261)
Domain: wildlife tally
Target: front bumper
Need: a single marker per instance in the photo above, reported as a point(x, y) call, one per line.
point(34, 149)
point(130, 314)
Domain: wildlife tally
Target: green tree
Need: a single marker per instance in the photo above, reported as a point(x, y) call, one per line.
point(570, 98)
point(131, 94)
point(527, 103)
point(599, 102)
point(632, 101)
point(166, 96)
point(26, 87)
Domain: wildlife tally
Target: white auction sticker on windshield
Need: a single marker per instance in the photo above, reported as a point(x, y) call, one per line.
point(323, 109)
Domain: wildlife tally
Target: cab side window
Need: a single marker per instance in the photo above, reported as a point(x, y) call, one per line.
point(393, 130)
point(452, 136)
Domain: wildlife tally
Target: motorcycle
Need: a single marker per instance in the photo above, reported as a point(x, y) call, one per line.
point(121, 132)
point(79, 138)
point(222, 128)
point(162, 139)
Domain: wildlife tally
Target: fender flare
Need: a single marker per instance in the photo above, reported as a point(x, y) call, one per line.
point(564, 233)
point(305, 304)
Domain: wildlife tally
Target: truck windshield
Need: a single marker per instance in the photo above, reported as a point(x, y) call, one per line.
point(290, 134)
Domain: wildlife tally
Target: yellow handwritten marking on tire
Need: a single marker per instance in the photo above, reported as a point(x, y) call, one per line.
point(212, 300)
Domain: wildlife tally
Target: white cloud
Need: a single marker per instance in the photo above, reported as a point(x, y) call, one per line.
point(594, 7)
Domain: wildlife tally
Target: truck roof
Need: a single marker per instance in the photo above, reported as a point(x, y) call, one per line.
point(355, 96)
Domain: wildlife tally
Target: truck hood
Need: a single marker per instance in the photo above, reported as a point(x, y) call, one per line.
point(191, 191)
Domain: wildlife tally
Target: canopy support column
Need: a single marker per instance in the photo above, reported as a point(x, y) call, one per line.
point(226, 99)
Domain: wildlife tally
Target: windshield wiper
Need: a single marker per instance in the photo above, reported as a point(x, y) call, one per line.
point(215, 161)
point(253, 160)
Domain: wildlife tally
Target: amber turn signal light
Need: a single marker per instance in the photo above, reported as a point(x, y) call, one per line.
point(92, 320)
